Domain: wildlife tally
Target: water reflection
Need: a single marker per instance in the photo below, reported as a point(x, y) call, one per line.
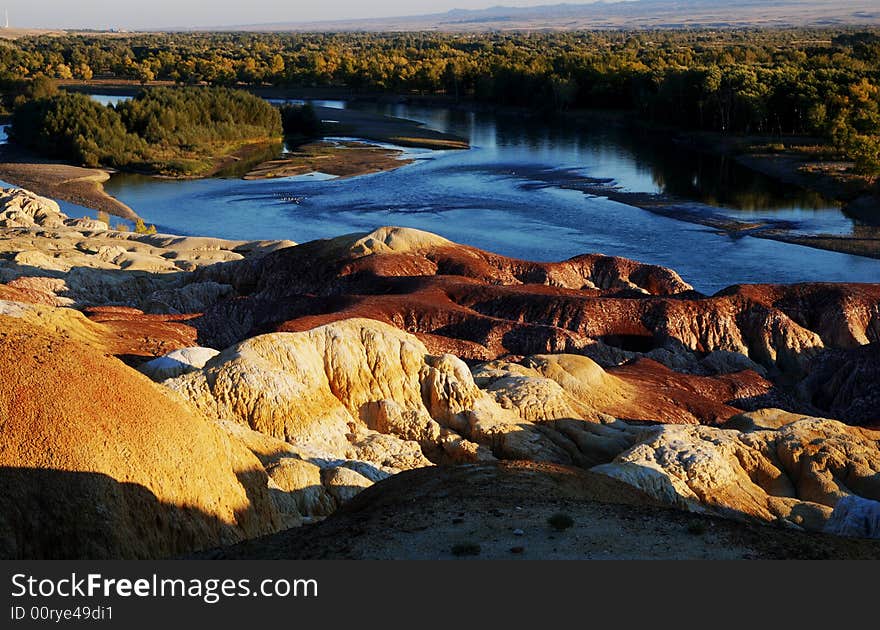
point(508, 194)
point(316, 102)
point(638, 161)
point(109, 99)
point(114, 99)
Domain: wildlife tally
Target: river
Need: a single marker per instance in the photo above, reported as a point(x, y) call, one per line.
point(507, 194)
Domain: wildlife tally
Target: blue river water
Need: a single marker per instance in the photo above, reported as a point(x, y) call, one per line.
point(508, 194)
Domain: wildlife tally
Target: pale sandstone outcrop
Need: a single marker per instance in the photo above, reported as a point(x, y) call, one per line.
point(546, 387)
point(304, 491)
point(81, 262)
point(396, 240)
point(22, 208)
point(129, 275)
point(324, 389)
point(177, 362)
point(365, 391)
point(344, 483)
point(795, 474)
point(304, 484)
point(361, 390)
point(297, 490)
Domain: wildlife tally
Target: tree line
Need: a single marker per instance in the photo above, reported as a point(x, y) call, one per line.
point(821, 82)
point(177, 131)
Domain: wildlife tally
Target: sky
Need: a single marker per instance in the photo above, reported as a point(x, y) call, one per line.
point(139, 14)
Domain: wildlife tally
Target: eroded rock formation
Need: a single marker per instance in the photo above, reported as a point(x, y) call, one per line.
point(796, 473)
point(98, 462)
point(327, 390)
point(294, 377)
point(846, 383)
point(81, 262)
point(482, 306)
point(365, 391)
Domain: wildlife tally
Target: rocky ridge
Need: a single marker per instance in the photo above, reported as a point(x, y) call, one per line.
point(364, 391)
point(81, 262)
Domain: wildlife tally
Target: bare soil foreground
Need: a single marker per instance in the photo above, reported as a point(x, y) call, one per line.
point(448, 512)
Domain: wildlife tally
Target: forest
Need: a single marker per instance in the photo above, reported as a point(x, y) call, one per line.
point(174, 131)
point(818, 82)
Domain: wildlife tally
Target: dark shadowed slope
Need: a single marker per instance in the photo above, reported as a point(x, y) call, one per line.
point(437, 513)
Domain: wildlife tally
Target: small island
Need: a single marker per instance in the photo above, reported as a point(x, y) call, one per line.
point(178, 132)
point(65, 144)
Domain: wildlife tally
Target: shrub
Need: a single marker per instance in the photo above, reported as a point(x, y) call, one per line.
point(560, 521)
point(141, 228)
point(300, 121)
point(865, 151)
point(42, 87)
point(697, 528)
point(191, 117)
point(74, 127)
point(466, 549)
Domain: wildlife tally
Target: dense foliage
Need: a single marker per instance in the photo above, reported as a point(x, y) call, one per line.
point(300, 122)
point(174, 130)
point(192, 117)
point(796, 81)
point(74, 127)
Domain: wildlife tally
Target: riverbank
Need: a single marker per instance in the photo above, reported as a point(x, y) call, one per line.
point(337, 122)
point(802, 161)
point(252, 159)
point(387, 129)
point(795, 160)
point(866, 245)
point(340, 159)
point(74, 184)
point(791, 164)
point(796, 164)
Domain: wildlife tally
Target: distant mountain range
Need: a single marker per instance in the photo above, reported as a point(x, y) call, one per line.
point(636, 14)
